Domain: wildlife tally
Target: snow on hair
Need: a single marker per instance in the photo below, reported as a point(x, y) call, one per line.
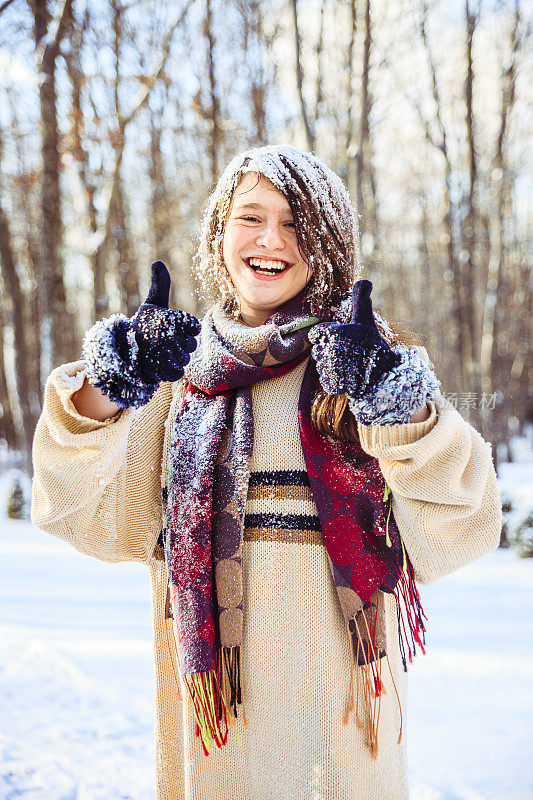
point(324, 219)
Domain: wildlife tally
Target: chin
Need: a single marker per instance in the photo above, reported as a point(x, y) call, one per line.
point(267, 301)
point(269, 305)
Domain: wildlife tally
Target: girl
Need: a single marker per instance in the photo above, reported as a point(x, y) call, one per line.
point(285, 495)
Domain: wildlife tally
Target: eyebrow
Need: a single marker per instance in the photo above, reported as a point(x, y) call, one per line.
point(253, 206)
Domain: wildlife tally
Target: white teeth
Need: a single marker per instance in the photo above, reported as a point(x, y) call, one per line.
point(271, 266)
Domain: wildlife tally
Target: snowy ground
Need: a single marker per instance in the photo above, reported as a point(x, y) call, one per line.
point(76, 675)
point(76, 678)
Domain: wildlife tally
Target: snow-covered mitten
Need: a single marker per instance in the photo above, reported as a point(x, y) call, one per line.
point(128, 358)
point(385, 385)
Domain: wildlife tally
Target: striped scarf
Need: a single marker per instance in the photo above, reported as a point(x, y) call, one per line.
point(209, 455)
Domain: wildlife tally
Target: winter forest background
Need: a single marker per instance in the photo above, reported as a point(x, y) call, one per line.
point(116, 117)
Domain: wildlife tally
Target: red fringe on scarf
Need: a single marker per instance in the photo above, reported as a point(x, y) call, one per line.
point(215, 694)
point(369, 674)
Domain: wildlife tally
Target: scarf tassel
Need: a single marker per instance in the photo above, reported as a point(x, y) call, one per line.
point(230, 679)
point(410, 614)
point(215, 695)
point(369, 685)
point(209, 707)
point(407, 590)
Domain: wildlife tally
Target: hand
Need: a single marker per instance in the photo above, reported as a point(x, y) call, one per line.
point(385, 386)
point(352, 358)
point(165, 337)
point(128, 358)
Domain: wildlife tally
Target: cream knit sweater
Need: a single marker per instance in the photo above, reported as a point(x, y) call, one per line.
point(97, 485)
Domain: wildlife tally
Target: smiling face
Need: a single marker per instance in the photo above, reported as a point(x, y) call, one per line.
point(260, 249)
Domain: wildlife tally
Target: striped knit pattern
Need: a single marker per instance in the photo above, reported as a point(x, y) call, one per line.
point(289, 490)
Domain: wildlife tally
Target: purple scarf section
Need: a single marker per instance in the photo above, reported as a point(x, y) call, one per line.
point(210, 450)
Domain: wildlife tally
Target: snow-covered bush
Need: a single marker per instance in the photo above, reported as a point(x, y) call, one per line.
point(16, 496)
point(515, 481)
point(517, 525)
point(507, 507)
point(524, 536)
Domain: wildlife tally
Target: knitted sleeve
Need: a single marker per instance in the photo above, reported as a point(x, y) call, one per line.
point(97, 484)
point(445, 495)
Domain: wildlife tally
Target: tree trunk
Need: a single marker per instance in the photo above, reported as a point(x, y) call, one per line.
point(81, 157)
point(28, 210)
point(8, 429)
point(254, 45)
point(319, 92)
point(365, 182)
point(350, 145)
point(159, 199)
point(455, 268)
point(77, 131)
point(468, 260)
point(453, 265)
point(58, 329)
point(16, 297)
point(127, 272)
point(496, 366)
point(214, 104)
point(309, 133)
point(126, 269)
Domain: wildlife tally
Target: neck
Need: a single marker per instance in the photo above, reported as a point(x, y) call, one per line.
point(253, 318)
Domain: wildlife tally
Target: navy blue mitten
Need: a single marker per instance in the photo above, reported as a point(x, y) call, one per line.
point(128, 358)
point(385, 385)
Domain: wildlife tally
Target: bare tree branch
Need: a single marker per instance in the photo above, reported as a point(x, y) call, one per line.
point(319, 48)
point(309, 134)
point(148, 84)
point(5, 5)
point(48, 47)
point(442, 145)
point(214, 105)
point(350, 57)
point(140, 101)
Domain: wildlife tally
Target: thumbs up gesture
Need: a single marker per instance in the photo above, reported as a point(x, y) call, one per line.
point(384, 385)
point(165, 337)
point(128, 358)
point(352, 357)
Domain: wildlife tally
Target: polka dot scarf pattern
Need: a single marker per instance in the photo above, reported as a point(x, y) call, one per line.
point(210, 450)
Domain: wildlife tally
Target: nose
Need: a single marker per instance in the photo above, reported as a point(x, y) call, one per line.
point(270, 237)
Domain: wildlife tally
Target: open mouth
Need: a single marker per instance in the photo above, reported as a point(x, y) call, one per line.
point(267, 266)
